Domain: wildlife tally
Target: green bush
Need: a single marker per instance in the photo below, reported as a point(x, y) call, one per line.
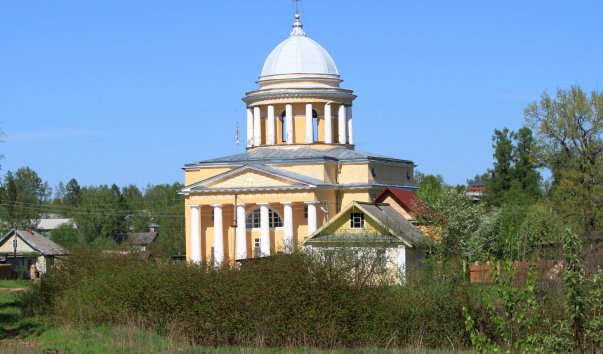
point(292, 300)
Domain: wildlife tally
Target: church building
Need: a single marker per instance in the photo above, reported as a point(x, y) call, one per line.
point(300, 167)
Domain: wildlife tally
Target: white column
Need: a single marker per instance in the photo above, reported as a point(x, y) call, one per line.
point(288, 226)
point(249, 127)
point(218, 235)
point(309, 125)
point(241, 232)
point(341, 120)
point(311, 217)
point(349, 114)
point(264, 229)
point(257, 126)
point(195, 234)
point(271, 129)
point(328, 126)
point(289, 122)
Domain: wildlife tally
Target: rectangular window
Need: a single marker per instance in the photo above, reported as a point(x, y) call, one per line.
point(357, 220)
point(256, 243)
point(305, 212)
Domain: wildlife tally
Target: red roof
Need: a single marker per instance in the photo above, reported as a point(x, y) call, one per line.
point(407, 199)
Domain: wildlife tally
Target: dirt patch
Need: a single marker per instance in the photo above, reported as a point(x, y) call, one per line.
point(12, 290)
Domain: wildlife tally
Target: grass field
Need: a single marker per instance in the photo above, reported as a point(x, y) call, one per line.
point(21, 334)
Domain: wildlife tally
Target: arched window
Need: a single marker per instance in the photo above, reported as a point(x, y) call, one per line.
point(284, 127)
point(315, 125)
point(253, 219)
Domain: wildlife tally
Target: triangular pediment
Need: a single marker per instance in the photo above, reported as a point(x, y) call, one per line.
point(252, 177)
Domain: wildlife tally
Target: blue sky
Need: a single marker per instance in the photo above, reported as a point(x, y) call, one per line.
point(128, 91)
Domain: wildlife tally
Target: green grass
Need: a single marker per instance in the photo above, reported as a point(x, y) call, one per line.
point(120, 339)
point(15, 284)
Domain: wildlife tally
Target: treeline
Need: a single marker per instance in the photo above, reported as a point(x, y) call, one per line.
point(99, 213)
point(522, 217)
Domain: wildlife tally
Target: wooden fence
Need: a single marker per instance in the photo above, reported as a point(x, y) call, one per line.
point(484, 273)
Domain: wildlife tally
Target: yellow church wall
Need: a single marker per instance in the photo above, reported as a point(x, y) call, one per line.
point(316, 171)
point(354, 173)
point(251, 197)
point(359, 195)
point(391, 174)
point(193, 176)
point(331, 172)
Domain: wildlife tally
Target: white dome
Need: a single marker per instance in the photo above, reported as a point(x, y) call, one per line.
point(299, 54)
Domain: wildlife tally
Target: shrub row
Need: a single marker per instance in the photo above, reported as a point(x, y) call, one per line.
point(290, 300)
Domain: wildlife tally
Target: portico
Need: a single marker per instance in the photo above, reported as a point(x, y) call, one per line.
point(275, 231)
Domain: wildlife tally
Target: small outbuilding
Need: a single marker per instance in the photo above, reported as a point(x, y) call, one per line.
point(23, 249)
point(372, 230)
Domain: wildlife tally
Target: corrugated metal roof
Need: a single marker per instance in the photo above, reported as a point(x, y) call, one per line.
point(51, 224)
point(38, 242)
point(298, 154)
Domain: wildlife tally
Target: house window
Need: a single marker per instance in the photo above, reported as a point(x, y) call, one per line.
point(257, 247)
point(284, 127)
point(305, 212)
point(254, 217)
point(357, 220)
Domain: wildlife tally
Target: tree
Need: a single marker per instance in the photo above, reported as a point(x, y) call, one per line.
point(455, 214)
point(568, 131)
point(513, 178)
point(73, 193)
point(524, 168)
point(100, 214)
point(166, 208)
point(59, 194)
point(430, 188)
point(1, 141)
point(22, 196)
point(501, 174)
point(66, 235)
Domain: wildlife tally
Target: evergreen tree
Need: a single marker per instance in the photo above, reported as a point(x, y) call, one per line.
point(524, 169)
point(501, 175)
point(73, 193)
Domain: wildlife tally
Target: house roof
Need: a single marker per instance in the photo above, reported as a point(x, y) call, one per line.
point(141, 238)
point(281, 154)
point(36, 241)
point(399, 228)
point(51, 224)
point(406, 198)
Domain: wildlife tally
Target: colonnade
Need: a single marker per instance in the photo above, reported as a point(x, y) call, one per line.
point(241, 229)
point(254, 125)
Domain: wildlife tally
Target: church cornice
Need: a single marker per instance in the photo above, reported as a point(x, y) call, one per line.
point(337, 95)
